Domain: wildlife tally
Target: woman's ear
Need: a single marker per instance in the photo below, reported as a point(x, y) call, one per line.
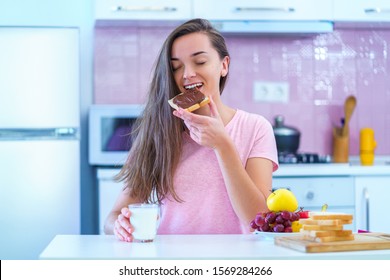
point(225, 66)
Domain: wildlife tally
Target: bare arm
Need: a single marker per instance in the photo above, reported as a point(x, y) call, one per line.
point(248, 187)
point(118, 220)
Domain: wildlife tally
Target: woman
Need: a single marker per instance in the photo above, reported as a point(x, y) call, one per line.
point(211, 170)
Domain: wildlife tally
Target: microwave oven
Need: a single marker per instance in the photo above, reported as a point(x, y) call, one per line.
point(110, 133)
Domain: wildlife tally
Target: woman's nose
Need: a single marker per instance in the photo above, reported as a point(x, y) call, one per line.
point(188, 73)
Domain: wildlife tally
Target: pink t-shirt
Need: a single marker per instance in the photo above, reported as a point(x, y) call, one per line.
point(198, 181)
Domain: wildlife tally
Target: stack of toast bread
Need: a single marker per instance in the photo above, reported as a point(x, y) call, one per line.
point(326, 227)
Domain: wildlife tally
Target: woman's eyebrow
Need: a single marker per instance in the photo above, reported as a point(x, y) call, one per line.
point(198, 53)
point(194, 54)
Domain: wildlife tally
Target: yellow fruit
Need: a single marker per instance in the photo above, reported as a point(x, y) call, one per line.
point(296, 226)
point(282, 200)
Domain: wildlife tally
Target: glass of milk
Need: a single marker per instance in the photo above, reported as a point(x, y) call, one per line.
point(144, 218)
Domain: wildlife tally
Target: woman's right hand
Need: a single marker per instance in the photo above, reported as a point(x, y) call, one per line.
point(122, 226)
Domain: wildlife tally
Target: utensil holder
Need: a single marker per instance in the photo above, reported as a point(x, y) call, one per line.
point(341, 148)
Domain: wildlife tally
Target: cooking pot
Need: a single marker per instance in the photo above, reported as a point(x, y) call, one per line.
point(287, 137)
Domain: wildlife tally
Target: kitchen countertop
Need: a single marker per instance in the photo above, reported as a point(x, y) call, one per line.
point(331, 169)
point(302, 170)
point(231, 246)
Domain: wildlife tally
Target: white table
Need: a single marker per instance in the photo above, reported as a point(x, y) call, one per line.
point(170, 247)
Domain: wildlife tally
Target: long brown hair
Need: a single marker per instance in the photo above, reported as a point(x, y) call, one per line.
point(157, 138)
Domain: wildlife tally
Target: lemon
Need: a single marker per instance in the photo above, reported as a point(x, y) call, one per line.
point(282, 200)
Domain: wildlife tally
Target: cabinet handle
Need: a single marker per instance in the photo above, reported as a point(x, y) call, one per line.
point(143, 9)
point(376, 11)
point(310, 195)
point(265, 9)
point(367, 205)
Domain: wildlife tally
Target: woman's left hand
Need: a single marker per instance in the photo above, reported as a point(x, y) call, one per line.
point(205, 130)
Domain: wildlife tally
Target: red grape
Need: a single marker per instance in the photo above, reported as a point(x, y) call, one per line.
point(295, 216)
point(259, 220)
point(288, 229)
point(287, 223)
point(270, 218)
point(286, 215)
point(278, 228)
point(265, 228)
point(279, 219)
point(253, 225)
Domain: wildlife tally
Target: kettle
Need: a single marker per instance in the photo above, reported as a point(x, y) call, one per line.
point(287, 137)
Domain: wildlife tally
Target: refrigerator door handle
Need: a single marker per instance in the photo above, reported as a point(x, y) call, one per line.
point(66, 132)
point(62, 133)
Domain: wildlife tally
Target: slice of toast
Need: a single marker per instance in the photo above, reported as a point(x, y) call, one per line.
point(330, 216)
point(326, 227)
point(194, 107)
point(335, 222)
point(326, 233)
point(322, 227)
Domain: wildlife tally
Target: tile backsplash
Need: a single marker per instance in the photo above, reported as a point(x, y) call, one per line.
point(321, 71)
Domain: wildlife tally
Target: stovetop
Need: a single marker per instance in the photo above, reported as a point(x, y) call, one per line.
point(290, 158)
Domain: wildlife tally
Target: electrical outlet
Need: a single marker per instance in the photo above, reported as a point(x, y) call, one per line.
point(276, 92)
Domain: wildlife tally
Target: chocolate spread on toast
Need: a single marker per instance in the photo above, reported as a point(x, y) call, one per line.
point(189, 98)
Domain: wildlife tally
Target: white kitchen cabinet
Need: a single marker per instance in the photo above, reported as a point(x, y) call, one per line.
point(108, 193)
point(263, 9)
point(313, 192)
point(361, 10)
point(149, 10)
point(373, 203)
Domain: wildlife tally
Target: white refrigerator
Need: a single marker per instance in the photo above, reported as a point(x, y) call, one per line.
point(39, 138)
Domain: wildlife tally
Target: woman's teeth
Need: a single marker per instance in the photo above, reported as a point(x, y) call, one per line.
point(193, 86)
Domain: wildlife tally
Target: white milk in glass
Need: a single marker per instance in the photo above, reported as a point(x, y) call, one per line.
point(144, 218)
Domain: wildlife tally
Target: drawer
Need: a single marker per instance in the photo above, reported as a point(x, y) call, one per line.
point(313, 192)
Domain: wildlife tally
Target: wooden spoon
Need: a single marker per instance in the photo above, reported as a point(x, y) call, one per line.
point(349, 107)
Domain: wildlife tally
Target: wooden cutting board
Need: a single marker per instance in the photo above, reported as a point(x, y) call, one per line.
point(363, 241)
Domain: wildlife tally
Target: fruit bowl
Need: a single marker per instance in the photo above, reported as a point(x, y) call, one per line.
point(272, 235)
point(282, 216)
